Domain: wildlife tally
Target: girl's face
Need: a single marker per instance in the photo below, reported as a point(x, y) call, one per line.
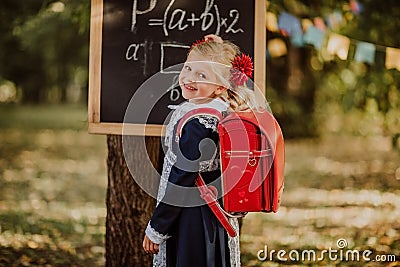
point(198, 80)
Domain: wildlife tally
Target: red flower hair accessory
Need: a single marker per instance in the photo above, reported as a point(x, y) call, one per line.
point(197, 42)
point(242, 69)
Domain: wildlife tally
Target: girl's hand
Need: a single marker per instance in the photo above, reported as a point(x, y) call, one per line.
point(214, 38)
point(149, 246)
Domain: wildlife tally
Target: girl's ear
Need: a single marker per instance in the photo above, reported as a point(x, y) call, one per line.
point(220, 90)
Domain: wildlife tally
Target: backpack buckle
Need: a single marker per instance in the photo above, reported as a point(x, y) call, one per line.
point(252, 161)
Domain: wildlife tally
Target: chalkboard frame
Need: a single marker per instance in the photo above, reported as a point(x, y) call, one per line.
point(95, 126)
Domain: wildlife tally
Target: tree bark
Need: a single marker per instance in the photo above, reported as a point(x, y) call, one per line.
point(129, 207)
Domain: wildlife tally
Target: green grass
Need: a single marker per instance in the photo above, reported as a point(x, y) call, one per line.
point(56, 117)
point(336, 188)
point(53, 186)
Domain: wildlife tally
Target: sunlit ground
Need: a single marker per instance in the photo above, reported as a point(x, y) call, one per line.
point(337, 188)
point(53, 187)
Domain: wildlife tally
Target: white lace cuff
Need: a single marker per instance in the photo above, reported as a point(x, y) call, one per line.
point(155, 236)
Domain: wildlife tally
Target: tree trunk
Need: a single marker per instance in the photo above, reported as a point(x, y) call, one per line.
point(295, 88)
point(129, 207)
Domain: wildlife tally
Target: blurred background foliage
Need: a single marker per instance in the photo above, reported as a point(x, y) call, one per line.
point(334, 95)
point(53, 178)
point(314, 93)
point(44, 51)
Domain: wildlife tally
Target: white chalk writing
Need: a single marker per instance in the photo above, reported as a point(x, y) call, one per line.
point(135, 11)
point(174, 91)
point(179, 19)
point(132, 52)
point(164, 46)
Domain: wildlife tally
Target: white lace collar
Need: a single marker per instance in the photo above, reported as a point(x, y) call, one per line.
point(216, 103)
point(183, 108)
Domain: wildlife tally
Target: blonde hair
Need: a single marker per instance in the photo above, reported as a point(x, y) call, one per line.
point(239, 97)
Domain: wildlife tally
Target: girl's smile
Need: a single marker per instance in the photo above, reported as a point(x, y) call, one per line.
point(189, 88)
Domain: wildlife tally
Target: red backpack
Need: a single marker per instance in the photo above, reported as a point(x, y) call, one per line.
point(252, 163)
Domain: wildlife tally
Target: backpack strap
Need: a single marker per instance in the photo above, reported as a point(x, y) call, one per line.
point(207, 193)
point(194, 113)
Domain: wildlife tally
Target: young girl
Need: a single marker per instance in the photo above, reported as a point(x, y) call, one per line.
point(181, 233)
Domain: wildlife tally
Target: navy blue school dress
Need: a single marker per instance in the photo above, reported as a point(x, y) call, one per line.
point(186, 229)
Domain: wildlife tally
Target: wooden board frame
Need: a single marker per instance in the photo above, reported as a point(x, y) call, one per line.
point(95, 126)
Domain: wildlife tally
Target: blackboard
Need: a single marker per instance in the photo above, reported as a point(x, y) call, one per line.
point(136, 44)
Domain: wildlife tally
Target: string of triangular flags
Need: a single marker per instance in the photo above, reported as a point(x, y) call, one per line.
point(319, 33)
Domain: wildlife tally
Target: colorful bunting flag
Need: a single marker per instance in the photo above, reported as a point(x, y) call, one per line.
point(306, 23)
point(334, 20)
point(289, 24)
point(311, 32)
point(319, 24)
point(392, 58)
point(365, 52)
point(297, 40)
point(338, 45)
point(355, 7)
point(314, 36)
